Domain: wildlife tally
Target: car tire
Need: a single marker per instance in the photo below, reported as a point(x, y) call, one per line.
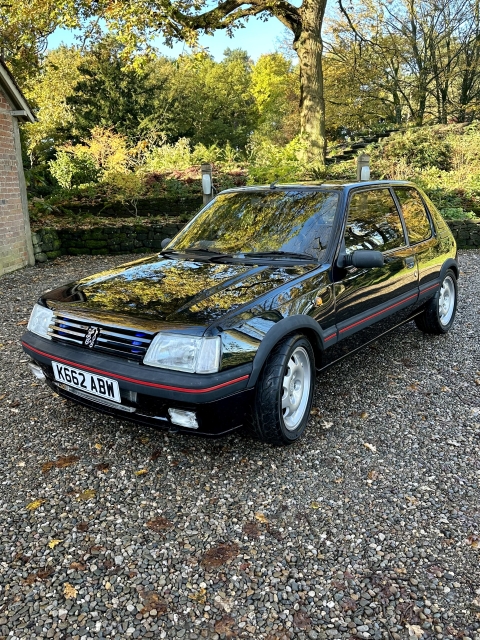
point(439, 312)
point(284, 392)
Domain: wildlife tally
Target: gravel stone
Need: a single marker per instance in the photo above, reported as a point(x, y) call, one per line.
point(348, 541)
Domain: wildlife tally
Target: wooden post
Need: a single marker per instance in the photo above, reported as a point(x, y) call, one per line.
point(363, 167)
point(207, 183)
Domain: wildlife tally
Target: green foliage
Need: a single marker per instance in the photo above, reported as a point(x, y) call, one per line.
point(414, 149)
point(269, 162)
point(457, 213)
point(71, 169)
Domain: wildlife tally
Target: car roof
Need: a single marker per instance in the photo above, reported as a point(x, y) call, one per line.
point(338, 185)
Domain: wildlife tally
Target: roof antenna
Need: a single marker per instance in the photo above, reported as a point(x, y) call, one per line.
point(273, 185)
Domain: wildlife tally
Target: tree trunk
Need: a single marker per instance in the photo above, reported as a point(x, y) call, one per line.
point(309, 47)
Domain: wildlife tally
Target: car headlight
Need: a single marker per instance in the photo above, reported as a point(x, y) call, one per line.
point(184, 353)
point(40, 319)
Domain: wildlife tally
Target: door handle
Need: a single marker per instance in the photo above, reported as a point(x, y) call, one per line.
point(410, 263)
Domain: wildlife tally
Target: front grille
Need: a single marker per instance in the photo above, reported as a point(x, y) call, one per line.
point(112, 339)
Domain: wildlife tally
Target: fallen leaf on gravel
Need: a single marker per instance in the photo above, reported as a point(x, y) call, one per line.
point(251, 529)
point(45, 573)
point(414, 630)
point(373, 475)
point(88, 494)
point(82, 526)
point(69, 591)
point(66, 461)
point(327, 425)
point(477, 381)
point(159, 524)
point(224, 625)
point(400, 570)
point(476, 604)
point(141, 472)
point(314, 505)
point(370, 447)
point(200, 596)
point(261, 517)
point(77, 566)
point(102, 466)
point(364, 415)
point(445, 389)
point(22, 322)
point(35, 504)
point(473, 541)
point(152, 601)
point(144, 439)
point(222, 553)
point(413, 386)
point(30, 579)
point(97, 446)
point(301, 620)
point(47, 466)
point(411, 499)
point(53, 543)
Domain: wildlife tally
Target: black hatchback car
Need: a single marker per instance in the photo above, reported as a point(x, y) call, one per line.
point(229, 324)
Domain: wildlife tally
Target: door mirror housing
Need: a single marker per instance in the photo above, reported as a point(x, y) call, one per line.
point(362, 259)
point(165, 241)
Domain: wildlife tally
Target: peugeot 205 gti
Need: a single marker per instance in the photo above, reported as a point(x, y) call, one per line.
point(230, 323)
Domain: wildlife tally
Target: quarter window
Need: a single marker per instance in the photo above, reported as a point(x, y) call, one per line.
point(415, 215)
point(373, 222)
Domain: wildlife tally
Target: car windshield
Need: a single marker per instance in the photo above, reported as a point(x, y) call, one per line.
point(261, 222)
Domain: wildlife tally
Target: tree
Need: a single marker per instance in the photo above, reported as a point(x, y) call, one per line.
point(137, 22)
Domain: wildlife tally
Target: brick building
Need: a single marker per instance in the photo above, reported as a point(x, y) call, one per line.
point(15, 239)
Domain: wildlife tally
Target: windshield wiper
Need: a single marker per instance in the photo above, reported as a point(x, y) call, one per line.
point(206, 252)
point(279, 254)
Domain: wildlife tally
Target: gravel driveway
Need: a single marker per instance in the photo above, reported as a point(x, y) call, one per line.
point(368, 528)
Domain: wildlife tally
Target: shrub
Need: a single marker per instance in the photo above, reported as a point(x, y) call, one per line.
point(73, 169)
point(411, 151)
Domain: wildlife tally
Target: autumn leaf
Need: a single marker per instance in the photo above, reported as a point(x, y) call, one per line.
point(251, 530)
point(364, 415)
point(411, 499)
point(22, 322)
point(88, 494)
point(69, 591)
point(200, 596)
point(144, 439)
point(102, 466)
point(222, 553)
point(413, 386)
point(301, 620)
point(159, 524)
point(372, 475)
point(35, 504)
point(370, 447)
point(473, 541)
point(224, 625)
point(53, 543)
point(314, 505)
point(77, 566)
point(153, 602)
point(261, 518)
point(141, 472)
point(47, 466)
point(66, 461)
point(98, 446)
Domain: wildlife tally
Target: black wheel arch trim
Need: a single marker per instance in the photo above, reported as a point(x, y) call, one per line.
point(301, 323)
point(452, 264)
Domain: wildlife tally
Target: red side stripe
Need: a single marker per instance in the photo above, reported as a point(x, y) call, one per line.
point(428, 288)
point(379, 313)
point(141, 382)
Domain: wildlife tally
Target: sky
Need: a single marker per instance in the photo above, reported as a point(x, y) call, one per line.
point(256, 38)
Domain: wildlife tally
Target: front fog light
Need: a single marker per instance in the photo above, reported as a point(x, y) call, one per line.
point(40, 319)
point(183, 418)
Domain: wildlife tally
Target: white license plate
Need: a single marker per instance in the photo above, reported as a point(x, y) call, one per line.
point(87, 382)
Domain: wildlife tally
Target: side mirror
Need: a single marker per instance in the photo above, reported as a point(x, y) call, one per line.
point(165, 241)
point(362, 258)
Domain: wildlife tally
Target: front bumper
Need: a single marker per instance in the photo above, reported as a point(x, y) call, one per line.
point(220, 401)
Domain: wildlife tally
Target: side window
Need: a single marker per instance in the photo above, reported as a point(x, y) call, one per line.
point(416, 217)
point(373, 222)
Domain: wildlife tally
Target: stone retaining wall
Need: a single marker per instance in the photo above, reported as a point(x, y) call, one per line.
point(139, 238)
point(50, 243)
point(465, 232)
